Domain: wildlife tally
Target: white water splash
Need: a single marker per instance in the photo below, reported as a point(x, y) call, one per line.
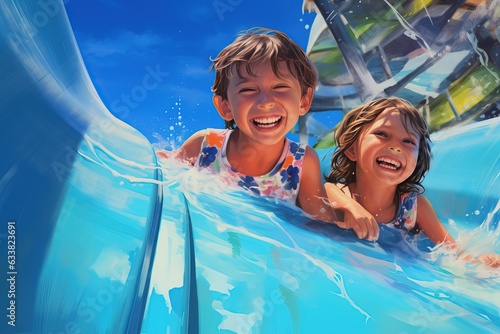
point(484, 239)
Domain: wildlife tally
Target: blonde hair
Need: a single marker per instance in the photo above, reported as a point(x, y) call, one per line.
point(349, 129)
point(257, 45)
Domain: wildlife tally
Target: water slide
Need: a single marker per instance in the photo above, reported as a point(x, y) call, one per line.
point(98, 236)
point(442, 56)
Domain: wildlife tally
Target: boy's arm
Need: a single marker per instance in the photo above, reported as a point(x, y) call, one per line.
point(312, 192)
point(189, 151)
point(355, 215)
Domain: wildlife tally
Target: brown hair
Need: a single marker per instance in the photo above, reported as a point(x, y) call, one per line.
point(349, 129)
point(257, 45)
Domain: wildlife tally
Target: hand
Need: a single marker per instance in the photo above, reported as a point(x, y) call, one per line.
point(355, 215)
point(490, 260)
point(361, 221)
point(164, 154)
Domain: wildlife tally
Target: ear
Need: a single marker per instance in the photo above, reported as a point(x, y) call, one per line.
point(223, 108)
point(351, 153)
point(306, 101)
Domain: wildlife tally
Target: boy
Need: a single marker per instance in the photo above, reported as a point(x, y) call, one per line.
point(263, 83)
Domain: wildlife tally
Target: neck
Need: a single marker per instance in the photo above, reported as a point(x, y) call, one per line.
point(250, 157)
point(378, 199)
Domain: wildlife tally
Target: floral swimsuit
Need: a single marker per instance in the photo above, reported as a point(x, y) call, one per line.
point(406, 215)
point(281, 182)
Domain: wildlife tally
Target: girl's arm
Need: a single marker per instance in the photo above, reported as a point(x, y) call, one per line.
point(434, 230)
point(430, 224)
point(355, 216)
point(312, 192)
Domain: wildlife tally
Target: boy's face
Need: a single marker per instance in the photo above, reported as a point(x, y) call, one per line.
point(264, 107)
point(385, 150)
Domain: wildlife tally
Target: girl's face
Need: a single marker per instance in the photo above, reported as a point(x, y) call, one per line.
point(264, 107)
point(385, 151)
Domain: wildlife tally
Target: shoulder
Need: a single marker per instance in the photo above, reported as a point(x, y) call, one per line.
point(308, 152)
point(425, 212)
point(311, 165)
point(190, 149)
point(310, 155)
point(424, 204)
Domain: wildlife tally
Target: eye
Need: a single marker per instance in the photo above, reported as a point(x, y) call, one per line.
point(381, 134)
point(281, 86)
point(246, 89)
point(409, 141)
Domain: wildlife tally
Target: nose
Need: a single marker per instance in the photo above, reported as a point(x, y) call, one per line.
point(395, 148)
point(266, 105)
point(265, 101)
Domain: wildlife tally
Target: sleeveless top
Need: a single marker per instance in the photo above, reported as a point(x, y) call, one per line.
point(406, 213)
point(281, 182)
point(406, 217)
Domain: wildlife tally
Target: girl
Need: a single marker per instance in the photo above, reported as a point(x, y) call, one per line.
point(382, 156)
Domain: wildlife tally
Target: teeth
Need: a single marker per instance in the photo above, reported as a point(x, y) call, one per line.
point(389, 163)
point(266, 122)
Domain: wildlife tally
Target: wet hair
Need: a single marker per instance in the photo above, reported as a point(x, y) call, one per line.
point(257, 45)
point(349, 129)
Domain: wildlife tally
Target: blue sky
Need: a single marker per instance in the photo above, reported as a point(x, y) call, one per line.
point(149, 61)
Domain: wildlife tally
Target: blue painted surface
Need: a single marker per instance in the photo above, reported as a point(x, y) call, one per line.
point(111, 240)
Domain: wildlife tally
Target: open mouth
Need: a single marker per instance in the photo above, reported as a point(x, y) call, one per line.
point(389, 163)
point(267, 122)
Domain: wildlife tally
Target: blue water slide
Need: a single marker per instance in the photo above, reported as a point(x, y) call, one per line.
point(110, 240)
point(70, 172)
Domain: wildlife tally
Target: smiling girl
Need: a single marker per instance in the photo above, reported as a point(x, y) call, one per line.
point(382, 156)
